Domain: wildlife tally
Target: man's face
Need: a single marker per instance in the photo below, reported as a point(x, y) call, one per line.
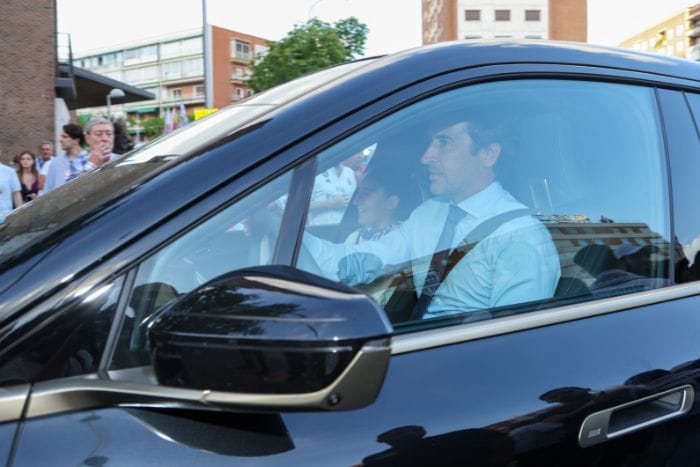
point(455, 170)
point(46, 151)
point(67, 142)
point(101, 138)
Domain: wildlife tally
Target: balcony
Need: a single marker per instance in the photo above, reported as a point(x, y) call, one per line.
point(694, 32)
point(693, 13)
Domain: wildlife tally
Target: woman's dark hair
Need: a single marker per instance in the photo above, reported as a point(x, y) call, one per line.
point(395, 184)
point(122, 142)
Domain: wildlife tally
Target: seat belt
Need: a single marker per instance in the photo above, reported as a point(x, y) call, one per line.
point(470, 241)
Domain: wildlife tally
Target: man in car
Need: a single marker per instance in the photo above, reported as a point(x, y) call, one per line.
point(512, 258)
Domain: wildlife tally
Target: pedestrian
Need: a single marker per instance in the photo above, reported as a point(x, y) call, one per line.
point(73, 163)
point(28, 175)
point(10, 191)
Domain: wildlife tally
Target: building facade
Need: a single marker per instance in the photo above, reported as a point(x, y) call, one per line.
point(28, 55)
point(677, 36)
point(172, 68)
point(445, 20)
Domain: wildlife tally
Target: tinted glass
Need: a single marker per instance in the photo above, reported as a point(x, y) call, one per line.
point(561, 193)
point(62, 340)
point(242, 235)
point(684, 149)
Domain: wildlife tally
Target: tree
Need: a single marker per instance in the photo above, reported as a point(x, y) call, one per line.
point(153, 127)
point(308, 47)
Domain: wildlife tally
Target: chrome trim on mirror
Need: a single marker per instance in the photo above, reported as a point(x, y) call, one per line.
point(12, 400)
point(420, 340)
point(356, 387)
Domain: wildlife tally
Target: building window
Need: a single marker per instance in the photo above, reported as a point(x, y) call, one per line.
point(472, 37)
point(679, 30)
point(532, 15)
point(533, 36)
point(503, 36)
point(679, 46)
point(502, 15)
point(240, 49)
point(238, 72)
point(472, 15)
point(199, 91)
point(176, 93)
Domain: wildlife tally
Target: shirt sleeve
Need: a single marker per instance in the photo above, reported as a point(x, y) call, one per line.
point(522, 274)
point(15, 183)
point(364, 259)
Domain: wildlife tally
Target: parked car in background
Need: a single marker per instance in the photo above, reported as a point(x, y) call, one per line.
point(179, 306)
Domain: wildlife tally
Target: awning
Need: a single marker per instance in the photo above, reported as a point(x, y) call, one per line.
point(91, 90)
point(146, 110)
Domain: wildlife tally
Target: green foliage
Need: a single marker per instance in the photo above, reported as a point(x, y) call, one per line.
point(153, 126)
point(83, 119)
point(308, 47)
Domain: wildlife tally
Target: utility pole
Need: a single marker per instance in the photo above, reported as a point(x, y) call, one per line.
point(208, 69)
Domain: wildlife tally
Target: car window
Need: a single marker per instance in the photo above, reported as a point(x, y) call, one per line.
point(65, 336)
point(496, 198)
point(242, 235)
point(684, 149)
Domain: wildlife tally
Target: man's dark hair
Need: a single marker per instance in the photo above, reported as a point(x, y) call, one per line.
point(75, 132)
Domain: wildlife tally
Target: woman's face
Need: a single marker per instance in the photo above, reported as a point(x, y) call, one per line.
point(26, 161)
point(374, 208)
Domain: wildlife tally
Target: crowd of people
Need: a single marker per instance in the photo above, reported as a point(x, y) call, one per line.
point(84, 149)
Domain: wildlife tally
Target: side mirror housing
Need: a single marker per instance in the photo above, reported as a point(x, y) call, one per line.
point(274, 336)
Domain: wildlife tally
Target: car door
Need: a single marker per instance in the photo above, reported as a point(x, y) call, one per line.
point(587, 375)
point(510, 383)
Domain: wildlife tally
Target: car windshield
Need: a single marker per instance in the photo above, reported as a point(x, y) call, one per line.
point(68, 203)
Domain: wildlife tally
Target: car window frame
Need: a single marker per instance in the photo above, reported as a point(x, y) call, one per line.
point(423, 339)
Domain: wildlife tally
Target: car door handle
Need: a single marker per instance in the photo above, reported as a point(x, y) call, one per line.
point(636, 415)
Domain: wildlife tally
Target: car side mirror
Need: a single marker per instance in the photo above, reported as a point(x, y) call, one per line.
point(273, 337)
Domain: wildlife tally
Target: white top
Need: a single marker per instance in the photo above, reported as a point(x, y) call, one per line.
point(329, 185)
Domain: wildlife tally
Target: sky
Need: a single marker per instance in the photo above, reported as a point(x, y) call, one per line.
point(394, 24)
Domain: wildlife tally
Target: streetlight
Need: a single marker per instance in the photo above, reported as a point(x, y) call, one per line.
point(115, 92)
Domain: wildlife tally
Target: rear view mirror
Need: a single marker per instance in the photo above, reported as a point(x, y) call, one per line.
point(274, 336)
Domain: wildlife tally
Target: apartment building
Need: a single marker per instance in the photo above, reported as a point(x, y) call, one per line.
point(172, 68)
point(446, 20)
point(677, 36)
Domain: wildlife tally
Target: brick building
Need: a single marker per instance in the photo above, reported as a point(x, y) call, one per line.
point(446, 20)
point(28, 58)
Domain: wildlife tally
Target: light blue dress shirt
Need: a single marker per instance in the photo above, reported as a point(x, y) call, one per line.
point(9, 184)
point(517, 263)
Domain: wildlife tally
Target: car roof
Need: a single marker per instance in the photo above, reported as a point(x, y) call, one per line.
point(466, 54)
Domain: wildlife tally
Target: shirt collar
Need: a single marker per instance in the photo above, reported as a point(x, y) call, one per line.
point(481, 204)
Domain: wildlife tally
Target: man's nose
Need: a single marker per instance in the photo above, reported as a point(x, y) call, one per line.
point(428, 156)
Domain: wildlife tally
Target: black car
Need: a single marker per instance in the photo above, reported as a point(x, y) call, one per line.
point(463, 254)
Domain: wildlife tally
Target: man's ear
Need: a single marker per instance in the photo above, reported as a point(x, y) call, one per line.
point(489, 154)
